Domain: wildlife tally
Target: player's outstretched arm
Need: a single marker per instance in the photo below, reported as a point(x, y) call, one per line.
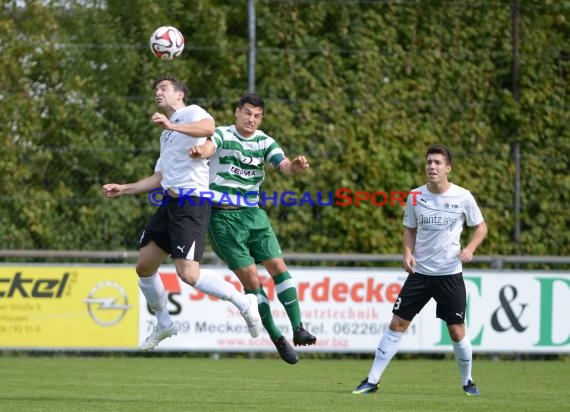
point(142, 186)
point(202, 151)
point(198, 129)
point(293, 167)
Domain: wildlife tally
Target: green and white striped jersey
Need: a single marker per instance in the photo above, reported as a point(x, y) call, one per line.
point(236, 168)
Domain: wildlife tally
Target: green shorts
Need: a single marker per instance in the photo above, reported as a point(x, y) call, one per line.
point(242, 237)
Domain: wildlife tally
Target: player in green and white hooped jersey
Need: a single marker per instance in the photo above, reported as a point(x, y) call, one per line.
point(240, 232)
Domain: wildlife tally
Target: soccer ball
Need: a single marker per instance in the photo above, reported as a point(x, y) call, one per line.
point(166, 42)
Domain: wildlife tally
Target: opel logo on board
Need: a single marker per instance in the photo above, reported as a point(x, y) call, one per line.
point(107, 303)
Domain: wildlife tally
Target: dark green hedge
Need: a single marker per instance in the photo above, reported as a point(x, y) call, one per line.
point(361, 88)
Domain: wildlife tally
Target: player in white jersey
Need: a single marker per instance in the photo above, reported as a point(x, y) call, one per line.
point(179, 225)
point(240, 232)
point(433, 221)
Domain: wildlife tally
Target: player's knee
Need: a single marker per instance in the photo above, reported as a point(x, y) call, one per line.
point(456, 332)
point(249, 277)
point(189, 276)
point(144, 270)
point(251, 282)
point(398, 324)
point(275, 266)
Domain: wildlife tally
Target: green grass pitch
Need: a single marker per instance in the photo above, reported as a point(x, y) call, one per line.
point(162, 383)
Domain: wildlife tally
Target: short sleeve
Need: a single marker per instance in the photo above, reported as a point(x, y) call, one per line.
point(218, 138)
point(274, 154)
point(410, 212)
point(473, 215)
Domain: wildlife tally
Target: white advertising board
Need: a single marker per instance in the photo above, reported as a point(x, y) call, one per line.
point(348, 309)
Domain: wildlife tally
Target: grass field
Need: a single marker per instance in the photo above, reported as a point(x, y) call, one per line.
point(143, 383)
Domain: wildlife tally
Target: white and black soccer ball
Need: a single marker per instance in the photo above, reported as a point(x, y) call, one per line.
point(166, 42)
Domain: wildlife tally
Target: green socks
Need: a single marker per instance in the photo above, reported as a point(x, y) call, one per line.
point(287, 295)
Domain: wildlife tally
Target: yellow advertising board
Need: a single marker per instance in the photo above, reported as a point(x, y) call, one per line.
point(71, 307)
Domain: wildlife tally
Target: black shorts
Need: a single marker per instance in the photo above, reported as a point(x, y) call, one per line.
point(179, 228)
point(448, 291)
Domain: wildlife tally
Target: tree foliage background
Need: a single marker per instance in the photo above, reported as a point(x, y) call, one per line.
point(360, 87)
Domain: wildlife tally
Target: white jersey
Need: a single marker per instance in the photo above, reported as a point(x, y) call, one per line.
point(179, 171)
point(439, 220)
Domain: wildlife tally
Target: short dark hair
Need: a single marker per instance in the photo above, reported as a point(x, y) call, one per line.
point(252, 99)
point(179, 85)
point(442, 150)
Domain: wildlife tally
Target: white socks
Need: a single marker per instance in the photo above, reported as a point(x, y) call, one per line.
point(387, 348)
point(216, 286)
point(464, 357)
point(155, 294)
